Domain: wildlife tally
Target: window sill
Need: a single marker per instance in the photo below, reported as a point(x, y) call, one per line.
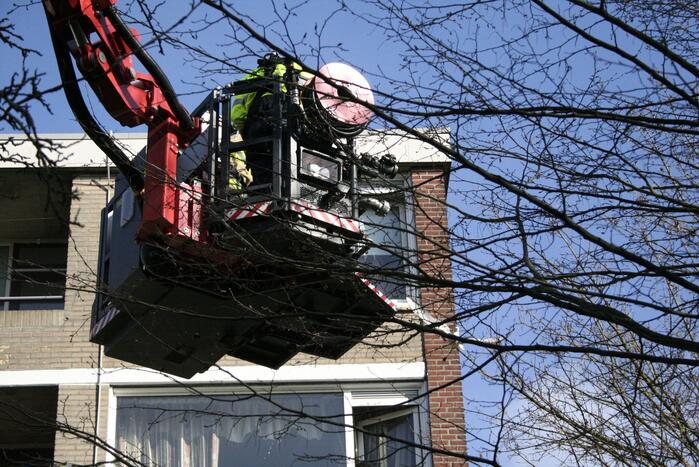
point(405, 304)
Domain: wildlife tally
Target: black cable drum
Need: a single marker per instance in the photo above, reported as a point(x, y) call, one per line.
point(337, 108)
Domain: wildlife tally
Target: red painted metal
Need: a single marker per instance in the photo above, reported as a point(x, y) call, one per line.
point(159, 201)
point(188, 215)
point(106, 62)
point(131, 97)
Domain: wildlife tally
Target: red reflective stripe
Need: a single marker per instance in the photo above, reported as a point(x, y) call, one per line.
point(380, 294)
point(325, 216)
point(257, 209)
point(300, 207)
point(113, 311)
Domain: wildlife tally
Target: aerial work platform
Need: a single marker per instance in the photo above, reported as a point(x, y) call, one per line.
point(260, 274)
point(182, 316)
point(193, 264)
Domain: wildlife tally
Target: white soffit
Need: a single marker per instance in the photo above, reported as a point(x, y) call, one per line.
point(64, 149)
point(77, 150)
point(331, 373)
point(406, 148)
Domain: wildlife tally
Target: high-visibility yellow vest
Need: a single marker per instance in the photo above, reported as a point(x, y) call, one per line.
point(240, 175)
point(242, 102)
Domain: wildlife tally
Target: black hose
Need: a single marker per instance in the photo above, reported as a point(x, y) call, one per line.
point(168, 91)
point(322, 118)
point(87, 122)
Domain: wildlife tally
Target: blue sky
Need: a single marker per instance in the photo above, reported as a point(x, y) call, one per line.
point(348, 38)
point(342, 37)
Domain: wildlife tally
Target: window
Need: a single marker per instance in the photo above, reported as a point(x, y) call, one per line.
point(391, 235)
point(212, 431)
point(33, 276)
point(24, 440)
point(379, 435)
point(170, 426)
point(389, 428)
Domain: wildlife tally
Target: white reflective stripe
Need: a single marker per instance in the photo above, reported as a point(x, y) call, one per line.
point(313, 211)
point(111, 313)
point(377, 291)
point(259, 209)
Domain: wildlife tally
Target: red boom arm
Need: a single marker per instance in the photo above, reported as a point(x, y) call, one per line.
point(103, 49)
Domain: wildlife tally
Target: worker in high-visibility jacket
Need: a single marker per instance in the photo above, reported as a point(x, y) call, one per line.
point(250, 113)
point(241, 175)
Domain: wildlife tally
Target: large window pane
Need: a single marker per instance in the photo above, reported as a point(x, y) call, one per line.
point(384, 448)
point(37, 283)
point(4, 253)
point(36, 270)
point(233, 430)
point(50, 256)
point(381, 435)
point(387, 232)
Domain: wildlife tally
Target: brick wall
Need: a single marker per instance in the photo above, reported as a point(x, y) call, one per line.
point(58, 339)
point(390, 343)
point(41, 339)
point(62, 340)
point(447, 426)
point(76, 418)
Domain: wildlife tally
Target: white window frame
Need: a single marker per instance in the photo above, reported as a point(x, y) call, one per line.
point(384, 394)
point(404, 403)
point(364, 424)
point(7, 274)
point(401, 187)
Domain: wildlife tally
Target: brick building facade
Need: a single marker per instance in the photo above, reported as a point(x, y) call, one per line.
point(61, 399)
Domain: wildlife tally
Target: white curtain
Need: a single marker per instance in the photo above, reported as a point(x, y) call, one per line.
point(386, 451)
point(193, 431)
